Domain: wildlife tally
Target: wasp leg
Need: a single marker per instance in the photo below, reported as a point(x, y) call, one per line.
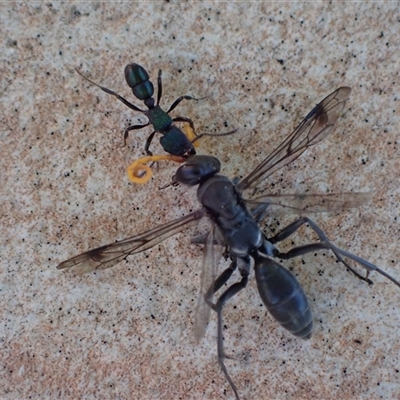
point(325, 244)
point(218, 307)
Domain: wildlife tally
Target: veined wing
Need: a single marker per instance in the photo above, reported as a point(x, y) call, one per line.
point(315, 127)
point(305, 203)
point(275, 205)
point(208, 269)
point(111, 254)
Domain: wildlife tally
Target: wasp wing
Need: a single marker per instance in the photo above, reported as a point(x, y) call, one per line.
point(315, 127)
point(273, 205)
point(276, 205)
point(111, 254)
point(203, 310)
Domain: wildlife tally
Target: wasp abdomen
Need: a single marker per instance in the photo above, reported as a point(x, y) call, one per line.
point(284, 297)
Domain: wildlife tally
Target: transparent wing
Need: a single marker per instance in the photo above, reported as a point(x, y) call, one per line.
point(276, 205)
point(273, 205)
point(315, 127)
point(111, 254)
point(203, 310)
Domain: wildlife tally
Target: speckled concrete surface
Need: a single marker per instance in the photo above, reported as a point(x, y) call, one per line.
point(127, 333)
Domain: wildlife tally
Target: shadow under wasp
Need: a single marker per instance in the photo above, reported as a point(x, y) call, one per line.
point(235, 224)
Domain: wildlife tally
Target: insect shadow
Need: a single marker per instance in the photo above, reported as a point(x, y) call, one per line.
point(235, 224)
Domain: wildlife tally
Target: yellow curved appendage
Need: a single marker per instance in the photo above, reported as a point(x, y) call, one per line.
point(139, 172)
point(189, 132)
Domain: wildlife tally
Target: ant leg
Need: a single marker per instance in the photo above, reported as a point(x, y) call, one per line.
point(190, 133)
point(148, 142)
point(325, 244)
point(108, 91)
point(212, 134)
point(179, 99)
point(159, 86)
point(132, 128)
point(196, 137)
point(188, 120)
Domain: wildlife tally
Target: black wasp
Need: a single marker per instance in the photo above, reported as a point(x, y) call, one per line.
point(236, 226)
point(173, 140)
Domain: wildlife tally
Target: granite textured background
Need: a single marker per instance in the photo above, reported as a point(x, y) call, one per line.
point(127, 332)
